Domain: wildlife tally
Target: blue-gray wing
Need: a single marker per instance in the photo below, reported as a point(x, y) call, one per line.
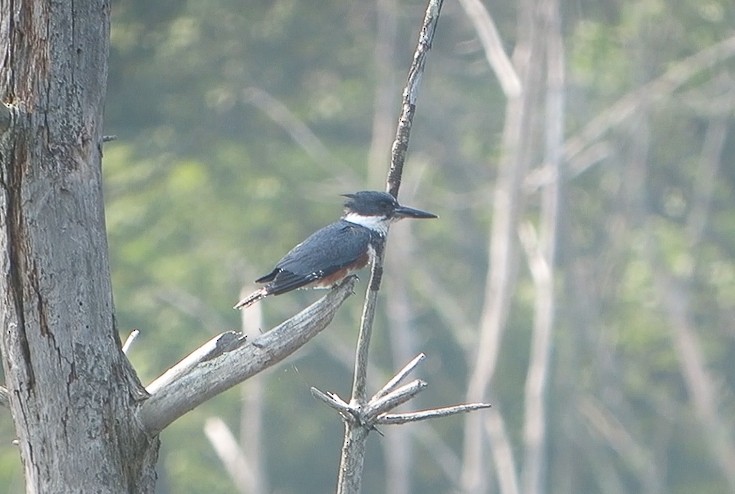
point(326, 252)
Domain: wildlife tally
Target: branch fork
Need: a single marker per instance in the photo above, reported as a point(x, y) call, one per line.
point(393, 394)
point(229, 358)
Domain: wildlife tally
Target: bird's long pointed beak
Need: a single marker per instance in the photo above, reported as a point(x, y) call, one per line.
point(407, 212)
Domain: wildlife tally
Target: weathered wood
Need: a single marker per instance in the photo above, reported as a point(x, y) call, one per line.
point(355, 438)
point(71, 388)
point(204, 374)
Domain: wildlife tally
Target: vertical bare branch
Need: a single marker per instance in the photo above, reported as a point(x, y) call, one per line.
point(397, 451)
point(244, 460)
point(353, 448)
point(252, 437)
point(541, 253)
point(410, 95)
point(517, 147)
point(502, 457)
point(230, 454)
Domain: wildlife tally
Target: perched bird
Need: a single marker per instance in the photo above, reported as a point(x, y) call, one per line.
point(331, 254)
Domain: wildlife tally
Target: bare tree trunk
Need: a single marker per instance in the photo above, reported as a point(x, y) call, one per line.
point(72, 392)
point(517, 147)
point(396, 445)
point(541, 254)
point(252, 437)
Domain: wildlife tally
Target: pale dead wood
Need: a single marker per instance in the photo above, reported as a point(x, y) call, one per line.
point(229, 359)
point(245, 460)
point(129, 340)
point(254, 440)
point(503, 457)
point(399, 377)
point(73, 391)
point(353, 447)
point(393, 399)
point(230, 453)
point(540, 252)
point(495, 54)
point(334, 401)
point(403, 418)
point(361, 418)
point(518, 147)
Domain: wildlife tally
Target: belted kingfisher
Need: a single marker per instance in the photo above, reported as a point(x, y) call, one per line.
point(331, 254)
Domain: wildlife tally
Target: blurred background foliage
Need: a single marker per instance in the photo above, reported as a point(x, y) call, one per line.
point(238, 125)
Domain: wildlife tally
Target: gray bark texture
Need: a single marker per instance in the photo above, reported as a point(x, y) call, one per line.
point(72, 392)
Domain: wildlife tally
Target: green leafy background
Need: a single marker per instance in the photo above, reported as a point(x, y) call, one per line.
point(205, 191)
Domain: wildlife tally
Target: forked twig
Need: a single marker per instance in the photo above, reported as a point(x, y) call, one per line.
point(360, 414)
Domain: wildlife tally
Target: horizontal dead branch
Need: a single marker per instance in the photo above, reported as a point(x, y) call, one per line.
point(402, 418)
point(228, 360)
point(390, 396)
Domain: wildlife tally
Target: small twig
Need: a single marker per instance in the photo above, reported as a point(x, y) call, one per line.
point(109, 138)
point(402, 418)
point(399, 377)
point(335, 402)
point(4, 397)
point(129, 341)
point(393, 399)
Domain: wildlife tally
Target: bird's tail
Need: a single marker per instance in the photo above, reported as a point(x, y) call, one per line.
point(251, 299)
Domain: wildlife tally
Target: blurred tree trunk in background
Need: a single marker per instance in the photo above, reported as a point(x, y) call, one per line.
point(541, 253)
point(519, 143)
point(72, 391)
